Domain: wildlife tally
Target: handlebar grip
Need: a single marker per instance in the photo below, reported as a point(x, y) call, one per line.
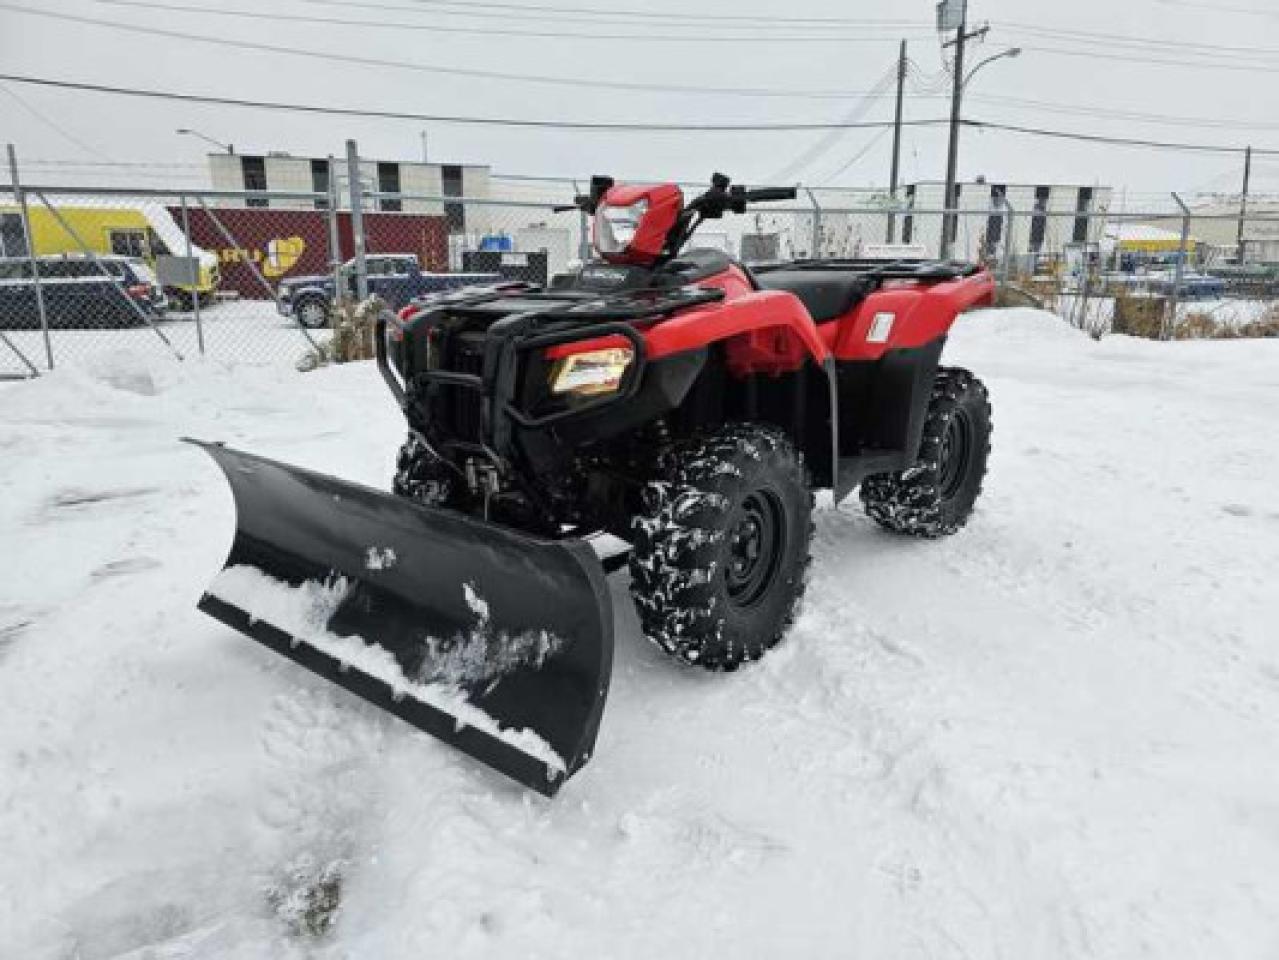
point(771, 193)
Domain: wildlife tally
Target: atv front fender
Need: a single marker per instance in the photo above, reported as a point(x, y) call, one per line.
point(768, 331)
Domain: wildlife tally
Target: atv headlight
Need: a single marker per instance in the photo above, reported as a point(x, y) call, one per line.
point(615, 227)
point(591, 373)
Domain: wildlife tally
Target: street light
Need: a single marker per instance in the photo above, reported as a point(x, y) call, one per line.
point(1010, 53)
point(185, 131)
point(950, 221)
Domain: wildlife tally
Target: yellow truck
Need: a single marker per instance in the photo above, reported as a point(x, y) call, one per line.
point(143, 230)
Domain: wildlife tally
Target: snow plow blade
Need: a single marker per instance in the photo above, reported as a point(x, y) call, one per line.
point(498, 643)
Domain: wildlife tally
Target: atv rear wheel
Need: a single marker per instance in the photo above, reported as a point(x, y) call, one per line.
point(936, 496)
point(722, 546)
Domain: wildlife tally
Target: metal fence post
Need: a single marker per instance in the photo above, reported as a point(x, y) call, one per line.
point(357, 220)
point(817, 225)
point(335, 237)
point(584, 228)
point(195, 291)
point(1179, 273)
point(20, 196)
point(1005, 266)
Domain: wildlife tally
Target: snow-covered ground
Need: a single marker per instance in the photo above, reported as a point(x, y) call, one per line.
point(1053, 735)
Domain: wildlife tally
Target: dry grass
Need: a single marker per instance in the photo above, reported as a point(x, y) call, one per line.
point(352, 341)
point(1203, 326)
point(1139, 316)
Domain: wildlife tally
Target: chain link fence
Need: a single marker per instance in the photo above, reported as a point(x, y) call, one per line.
point(251, 277)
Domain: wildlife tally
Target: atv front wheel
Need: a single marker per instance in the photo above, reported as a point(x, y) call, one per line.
point(420, 476)
point(722, 546)
point(935, 496)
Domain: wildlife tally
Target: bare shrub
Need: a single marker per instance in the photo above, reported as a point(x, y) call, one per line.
point(1139, 316)
point(1202, 326)
point(353, 331)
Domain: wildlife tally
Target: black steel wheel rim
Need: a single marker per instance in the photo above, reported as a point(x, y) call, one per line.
point(312, 314)
point(756, 542)
point(956, 453)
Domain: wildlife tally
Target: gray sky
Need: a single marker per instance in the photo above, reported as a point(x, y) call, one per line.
point(1234, 88)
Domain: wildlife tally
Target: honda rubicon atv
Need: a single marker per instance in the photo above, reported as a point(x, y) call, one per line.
point(669, 397)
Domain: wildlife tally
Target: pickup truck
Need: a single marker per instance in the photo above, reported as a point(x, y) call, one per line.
point(395, 277)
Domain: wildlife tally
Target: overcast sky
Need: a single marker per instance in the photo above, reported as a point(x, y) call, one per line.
point(1235, 89)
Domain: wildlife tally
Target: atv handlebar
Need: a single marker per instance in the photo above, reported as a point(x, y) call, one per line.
point(765, 194)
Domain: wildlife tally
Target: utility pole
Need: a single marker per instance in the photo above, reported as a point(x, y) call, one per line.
point(897, 142)
point(1243, 202)
point(962, 36)
point(424, 155)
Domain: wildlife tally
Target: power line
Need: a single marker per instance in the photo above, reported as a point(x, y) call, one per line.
point(844, 168)
point(382, 64)
point(437, 118)
point(128, 164)
point(826, 37)
point(1115, 141)
point(1221, 8)
point(1129, 40)
point(616, 127)
point(1129, 58)
point(1129, 115)
point(710, 19)
point(829, 140)
point(1076, 109)
point(56, 128)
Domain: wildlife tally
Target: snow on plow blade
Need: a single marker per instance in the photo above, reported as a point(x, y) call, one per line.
point(498, 643)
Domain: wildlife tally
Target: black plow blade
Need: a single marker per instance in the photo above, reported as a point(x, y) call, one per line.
point(498, 643)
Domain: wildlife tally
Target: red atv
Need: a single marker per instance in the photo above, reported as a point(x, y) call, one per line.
point(671, 397)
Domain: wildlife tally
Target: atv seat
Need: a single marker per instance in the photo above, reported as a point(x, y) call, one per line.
point(826, 293)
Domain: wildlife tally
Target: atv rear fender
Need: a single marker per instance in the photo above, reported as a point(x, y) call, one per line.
point(920, 315)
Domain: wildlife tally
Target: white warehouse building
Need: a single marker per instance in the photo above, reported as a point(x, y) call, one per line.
point(1046, 217)
point(286, 173)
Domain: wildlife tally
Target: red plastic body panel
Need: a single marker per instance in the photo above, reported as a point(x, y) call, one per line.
point(665, 201)
point(771, 332)
point(764, 331)
point(921, 314)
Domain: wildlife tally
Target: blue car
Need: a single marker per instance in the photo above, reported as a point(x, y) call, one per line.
point(396, 278)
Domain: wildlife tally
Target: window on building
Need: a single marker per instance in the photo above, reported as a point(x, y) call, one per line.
point(320, 182)
point(1039, 222)
point(454, 213)
point(388, 181)
point(13, 239)
point(908, 222)
point(1083, 205)
point(128, 243)
point(253, 170)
